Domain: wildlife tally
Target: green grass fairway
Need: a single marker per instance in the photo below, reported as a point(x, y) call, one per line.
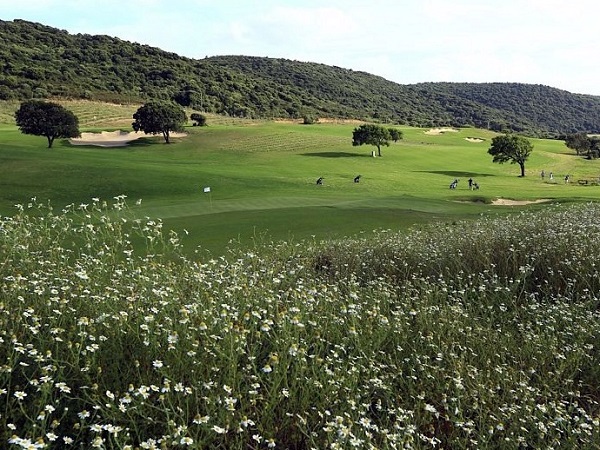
point(262, 178)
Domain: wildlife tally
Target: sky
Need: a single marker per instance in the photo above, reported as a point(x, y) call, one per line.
point(549, 42)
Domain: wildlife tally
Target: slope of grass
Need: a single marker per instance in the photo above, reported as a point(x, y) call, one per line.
point(262, 177)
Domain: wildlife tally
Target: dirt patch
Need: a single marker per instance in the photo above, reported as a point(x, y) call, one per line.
point(438, 131)
point(509, 202)
point(112, 138)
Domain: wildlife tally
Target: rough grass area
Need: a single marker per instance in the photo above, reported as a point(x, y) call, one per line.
point(473, 335)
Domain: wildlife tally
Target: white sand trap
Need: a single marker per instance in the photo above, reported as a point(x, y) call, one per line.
point(438, 131)
point(473, 139)
point(113, 138)
point(508, 202)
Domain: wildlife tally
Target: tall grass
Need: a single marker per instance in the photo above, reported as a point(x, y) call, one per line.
point(543, 251)
point(476, 335)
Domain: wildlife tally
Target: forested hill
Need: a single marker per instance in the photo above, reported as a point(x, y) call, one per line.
point(45, 62)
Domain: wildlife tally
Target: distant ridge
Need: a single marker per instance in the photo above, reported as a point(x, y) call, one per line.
point(44, 62)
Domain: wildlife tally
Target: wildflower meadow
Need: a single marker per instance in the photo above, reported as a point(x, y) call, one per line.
point(475, 334)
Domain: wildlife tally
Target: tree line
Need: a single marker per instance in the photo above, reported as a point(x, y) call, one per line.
point(41, 62)
point(52, 121)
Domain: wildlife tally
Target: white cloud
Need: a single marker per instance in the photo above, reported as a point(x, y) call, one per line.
point(311, 23)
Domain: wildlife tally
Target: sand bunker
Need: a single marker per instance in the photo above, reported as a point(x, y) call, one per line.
point(438, 131)
point(106, 138)
point(508, 202)
point(474, 139)
point(112, 138)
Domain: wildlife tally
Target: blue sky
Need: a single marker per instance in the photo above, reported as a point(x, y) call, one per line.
point(550, 42)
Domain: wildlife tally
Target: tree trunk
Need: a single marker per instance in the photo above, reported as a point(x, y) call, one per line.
point(379, 150)
point(522, 169)
point(50, 141)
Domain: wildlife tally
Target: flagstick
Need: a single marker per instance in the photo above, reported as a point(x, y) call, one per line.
point(207, 190)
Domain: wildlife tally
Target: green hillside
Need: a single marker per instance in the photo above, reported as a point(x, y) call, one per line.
point(45, 62)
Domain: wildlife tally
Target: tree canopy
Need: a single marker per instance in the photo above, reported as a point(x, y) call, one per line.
point(583, 144)
point(371, 135)
point(580, 142)
point(511, 148)
point(395, 134)
point(159, 117)
point(199, 119)
point(47, 119)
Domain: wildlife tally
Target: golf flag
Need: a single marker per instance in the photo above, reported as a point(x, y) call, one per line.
point(207, 189)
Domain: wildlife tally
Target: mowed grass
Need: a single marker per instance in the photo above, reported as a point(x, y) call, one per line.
point(262, 176)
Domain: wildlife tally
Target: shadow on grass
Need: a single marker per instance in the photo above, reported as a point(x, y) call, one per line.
point(476, 199)
point(141, 142)
point(456, 173)
point(144, 142)
point(337, 155)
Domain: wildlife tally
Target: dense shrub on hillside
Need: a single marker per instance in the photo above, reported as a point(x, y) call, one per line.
point(476, 335)
point(44, 62)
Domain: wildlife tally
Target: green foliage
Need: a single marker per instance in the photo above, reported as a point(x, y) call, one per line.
point(580, 142)
point(371, 135)
point(309, 119)
point(159, 117)
point(395, 134)
point(511, 148)
point(47, 119)
point(594, 151)
point(584, 144)
point(44, 61)
point(199, 119)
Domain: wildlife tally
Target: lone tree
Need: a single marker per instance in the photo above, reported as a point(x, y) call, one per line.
point(594, 151)
point(159, 117)
point(511, 148)
point(371, 135)
point(584, 144)
point(199, 119)
point(309, 119)
point(48, 119)
point(580, 142)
